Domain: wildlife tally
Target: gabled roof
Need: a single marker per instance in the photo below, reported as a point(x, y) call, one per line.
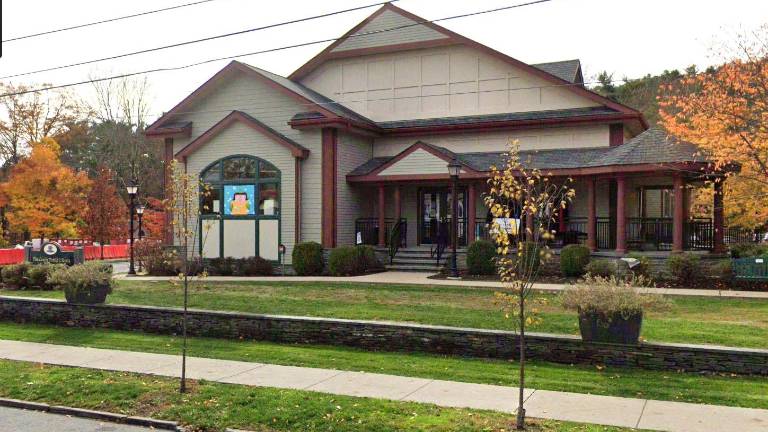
point(440, 152)
point(311, 99)
point(297, 150)
point(451, 38)
point(654, 148)
point(569, 70)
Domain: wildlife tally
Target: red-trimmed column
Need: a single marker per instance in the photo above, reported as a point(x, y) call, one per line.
point(382, 238)
point(167, 178)
point(621, 215)
point(591, 215)
point(718, 217)
point(398, 205)
point(471, 212)
point(329, 159)
point(678, 219)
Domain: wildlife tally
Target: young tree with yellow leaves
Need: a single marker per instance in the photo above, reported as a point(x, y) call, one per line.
point(44, 197)
point(725, 111)
point(519, 192)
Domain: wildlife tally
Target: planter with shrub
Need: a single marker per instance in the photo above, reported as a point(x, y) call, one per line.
point(610, 310)
point(574, 259)
point(87, 283)
point(601, 267)
point(352, 261)
point(308, 259)
point(481, 258)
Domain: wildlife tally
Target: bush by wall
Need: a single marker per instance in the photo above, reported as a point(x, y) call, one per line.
point(15, 276)
point(481, 258)
point(643, 266)
point(156, 259)
point(38, 276)
point(308, 259)
point(601, 267)
point(574, 259)
point(352, 260)
point(685, 268)
point(253, 266)
point(748, 250)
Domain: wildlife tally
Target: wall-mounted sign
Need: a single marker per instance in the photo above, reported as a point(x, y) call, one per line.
point(239, 199)
point(52, 253)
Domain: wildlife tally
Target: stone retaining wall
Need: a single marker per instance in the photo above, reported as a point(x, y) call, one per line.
point(383, 336)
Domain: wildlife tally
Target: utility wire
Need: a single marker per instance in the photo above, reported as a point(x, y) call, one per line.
point(174, 68)
point(191, 42)
point(104, 21)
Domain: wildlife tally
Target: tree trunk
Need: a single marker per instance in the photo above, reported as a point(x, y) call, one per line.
point(102, 251)
point(521, 398)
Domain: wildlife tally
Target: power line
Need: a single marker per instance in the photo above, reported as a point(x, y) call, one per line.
point(106, 21)
point(173, 68)
point(190, 42)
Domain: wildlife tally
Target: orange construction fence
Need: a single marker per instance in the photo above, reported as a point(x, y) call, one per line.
point(16, 256)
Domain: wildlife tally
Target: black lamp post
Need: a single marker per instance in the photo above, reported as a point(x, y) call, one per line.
point(454, 168)
point(140, 213)
point(132, 189)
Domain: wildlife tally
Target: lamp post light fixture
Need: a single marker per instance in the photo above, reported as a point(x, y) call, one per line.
point(140, 213)
point(132, 189)
point(454, 169)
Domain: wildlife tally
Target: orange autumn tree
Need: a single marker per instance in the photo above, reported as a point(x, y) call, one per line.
point(106, 218)
point(154, 219)
point(43, 196)
point(725, 111)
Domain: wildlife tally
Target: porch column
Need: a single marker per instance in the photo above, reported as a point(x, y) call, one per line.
point(718, 218)
point(382, 238)
point(591, 215)
point(398, 208)
point(678, 219)
point(471, 212)
point(621, 217)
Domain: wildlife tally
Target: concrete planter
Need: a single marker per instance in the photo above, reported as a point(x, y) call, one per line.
point(96, 295)
point(620, 330)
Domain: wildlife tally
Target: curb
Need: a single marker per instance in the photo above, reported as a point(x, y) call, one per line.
point(91, 414)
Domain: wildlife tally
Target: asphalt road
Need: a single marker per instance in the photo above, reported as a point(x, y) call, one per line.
point(18, 420)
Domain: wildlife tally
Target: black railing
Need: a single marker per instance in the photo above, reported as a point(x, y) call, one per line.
point(649, 233)
point(441, 241)
point(430, 230)
point(367, 231)
point(397, 238)
point(739, 235)
point(699, 234)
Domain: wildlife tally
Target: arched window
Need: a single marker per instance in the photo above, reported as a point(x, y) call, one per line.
point(240, 193)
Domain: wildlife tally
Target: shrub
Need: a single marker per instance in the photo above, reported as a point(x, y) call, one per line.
point(222, 266)
point(156, 259)
point(643, 266)
point(308, 259)
point(15, 275)
point(38, 275)
point(684, 267)
point(747, 250)
point(724, 271)
point(601, 268)
point(609, 297)
point(87, 277)
point(352, 260)
point(253, 266)
point(574, 259)
point(481, 258)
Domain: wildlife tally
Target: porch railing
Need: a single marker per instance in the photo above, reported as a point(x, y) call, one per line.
point(739, 235)
point(368, 231)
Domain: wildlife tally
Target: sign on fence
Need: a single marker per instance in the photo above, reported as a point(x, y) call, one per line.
point(52, 253)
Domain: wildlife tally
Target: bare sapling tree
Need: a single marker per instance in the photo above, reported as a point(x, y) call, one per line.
point(525, 203)
point(185, 192)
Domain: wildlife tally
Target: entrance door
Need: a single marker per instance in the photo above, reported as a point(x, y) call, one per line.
point(435, 205)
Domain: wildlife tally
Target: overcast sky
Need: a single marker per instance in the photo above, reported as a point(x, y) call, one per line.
point(627, 37)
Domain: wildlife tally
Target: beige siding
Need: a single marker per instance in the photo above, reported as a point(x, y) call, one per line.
point(241, 139)
point(418, 162)
point(389, 20)
point(437, 82)
point(247, 94)
point(353, 151)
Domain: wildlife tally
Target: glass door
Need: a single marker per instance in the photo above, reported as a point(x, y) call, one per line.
point(435, 207)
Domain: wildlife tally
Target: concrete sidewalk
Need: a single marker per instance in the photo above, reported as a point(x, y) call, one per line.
point(420, 278)
point(605, 410)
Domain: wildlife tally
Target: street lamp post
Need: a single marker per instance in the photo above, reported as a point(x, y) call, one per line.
point(131, 189)
point(140, 213)
point(454, 168)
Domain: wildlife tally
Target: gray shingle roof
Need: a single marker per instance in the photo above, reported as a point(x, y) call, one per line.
point(651, 146)
point(312, 95)
point(489, 118)
point(566, 69)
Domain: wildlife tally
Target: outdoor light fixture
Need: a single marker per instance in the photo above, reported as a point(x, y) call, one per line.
point(132, 190)
point(454, 168)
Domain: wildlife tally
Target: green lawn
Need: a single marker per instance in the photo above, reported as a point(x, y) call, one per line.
point(214, 407)
point(749, 392)
point(698, 320)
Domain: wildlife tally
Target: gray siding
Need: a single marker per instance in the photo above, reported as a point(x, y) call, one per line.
point(353, 151)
